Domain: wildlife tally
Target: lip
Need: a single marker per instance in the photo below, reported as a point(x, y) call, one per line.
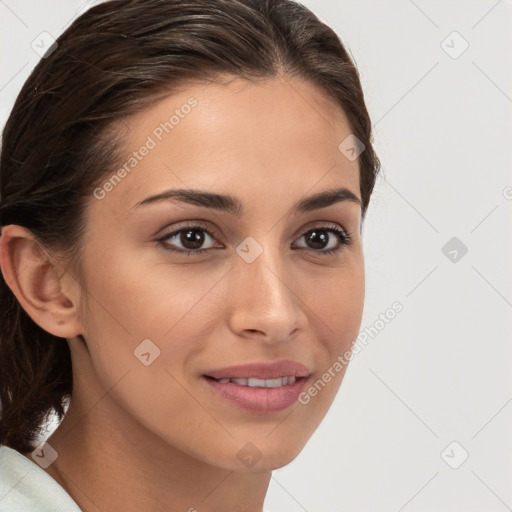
point(272, 370)
point(256, 399)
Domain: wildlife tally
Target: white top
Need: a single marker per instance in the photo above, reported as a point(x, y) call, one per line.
point(26, 487)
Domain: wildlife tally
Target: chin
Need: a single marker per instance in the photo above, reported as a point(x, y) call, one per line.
point(259, 456)
point(279, 461)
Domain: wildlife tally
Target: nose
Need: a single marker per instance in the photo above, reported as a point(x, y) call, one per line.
point(264, 300)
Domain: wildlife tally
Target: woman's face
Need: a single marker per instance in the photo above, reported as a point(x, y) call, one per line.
point(259, 284)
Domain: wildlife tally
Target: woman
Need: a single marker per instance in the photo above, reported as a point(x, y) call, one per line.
point(183, 185)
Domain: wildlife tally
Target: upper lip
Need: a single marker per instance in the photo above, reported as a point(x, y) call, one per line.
point(271, 370)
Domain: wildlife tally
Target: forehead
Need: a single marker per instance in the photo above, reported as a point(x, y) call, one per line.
point(279, 135)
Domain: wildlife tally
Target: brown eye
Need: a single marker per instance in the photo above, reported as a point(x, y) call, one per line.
point(189, 240)
point(318, 238)
point(192, 238)
point(325, 240)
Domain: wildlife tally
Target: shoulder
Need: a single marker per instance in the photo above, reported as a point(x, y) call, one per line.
point(26, 487)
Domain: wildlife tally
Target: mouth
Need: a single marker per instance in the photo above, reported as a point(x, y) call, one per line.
point(258, 396)
point(254, 382)
point(255, 372)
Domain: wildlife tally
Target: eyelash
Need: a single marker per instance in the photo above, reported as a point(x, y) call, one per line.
point(343, 236)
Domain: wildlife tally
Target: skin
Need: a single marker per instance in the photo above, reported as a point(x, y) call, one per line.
point(158, 427)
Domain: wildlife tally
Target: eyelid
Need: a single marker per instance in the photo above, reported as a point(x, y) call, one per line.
point(322, 224)
point(344, 237)
point(189, 224)
point(201, 225)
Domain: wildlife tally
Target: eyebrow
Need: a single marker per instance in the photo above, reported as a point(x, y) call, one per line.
point(234, 206)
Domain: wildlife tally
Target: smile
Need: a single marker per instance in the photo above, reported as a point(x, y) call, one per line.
point(261, 396)
point(261, 383)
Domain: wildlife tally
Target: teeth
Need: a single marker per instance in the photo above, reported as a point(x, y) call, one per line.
point(261, 383)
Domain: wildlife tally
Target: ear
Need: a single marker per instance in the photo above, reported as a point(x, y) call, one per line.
point(37, 280)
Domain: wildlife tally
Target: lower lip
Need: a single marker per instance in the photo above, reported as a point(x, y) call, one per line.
point(260, 400)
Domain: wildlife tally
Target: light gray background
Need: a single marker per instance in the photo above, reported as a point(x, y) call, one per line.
point(441, 370)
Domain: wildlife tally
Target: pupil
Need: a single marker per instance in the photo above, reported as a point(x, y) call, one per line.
point(318, 239)
point(192, 239)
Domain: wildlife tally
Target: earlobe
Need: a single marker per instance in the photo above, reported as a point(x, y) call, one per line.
point(36, 280)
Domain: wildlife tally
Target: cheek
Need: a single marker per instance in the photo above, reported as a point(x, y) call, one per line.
point(346, 314)
point(337, 303)
point(142, 295)
point(131, 299)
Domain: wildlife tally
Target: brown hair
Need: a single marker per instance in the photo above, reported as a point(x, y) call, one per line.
point(57, 146)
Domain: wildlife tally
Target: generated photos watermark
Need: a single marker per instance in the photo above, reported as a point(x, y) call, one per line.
point(365, 335)
point(151, 143)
